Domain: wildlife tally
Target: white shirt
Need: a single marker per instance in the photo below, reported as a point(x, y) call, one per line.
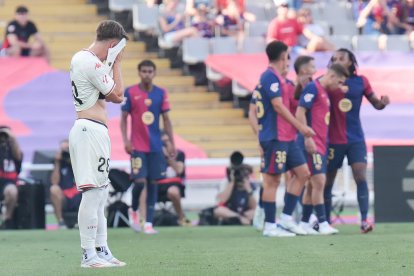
point(89, 77)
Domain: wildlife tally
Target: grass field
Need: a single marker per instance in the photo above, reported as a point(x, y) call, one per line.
point(216, 251)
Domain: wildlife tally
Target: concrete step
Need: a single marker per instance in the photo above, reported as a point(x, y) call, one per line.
point(42, 2)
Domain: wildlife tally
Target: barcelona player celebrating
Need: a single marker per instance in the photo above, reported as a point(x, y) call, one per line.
point(314, 110)
point(277, 131)
point(346, 136)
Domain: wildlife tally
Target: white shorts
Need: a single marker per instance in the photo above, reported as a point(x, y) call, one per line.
point(90, 150)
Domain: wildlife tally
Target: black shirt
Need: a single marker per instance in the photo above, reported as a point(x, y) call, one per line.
point(23, 33)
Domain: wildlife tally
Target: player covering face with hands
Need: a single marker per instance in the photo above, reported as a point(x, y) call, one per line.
point(96, 78)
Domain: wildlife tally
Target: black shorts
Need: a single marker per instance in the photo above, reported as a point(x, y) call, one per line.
point(163, 188)
point(72, 204)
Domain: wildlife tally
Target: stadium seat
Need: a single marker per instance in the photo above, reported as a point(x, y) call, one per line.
point(343, 27)
point(257, 28)
point(239, 90)
point(144, 18)
point(121, 5)
point(195, 50)
point(335, 10)
point(223, 45)
point(258, 9)
point(252, 45)
point(398, 43)
point(365, 43)
point(341, 41)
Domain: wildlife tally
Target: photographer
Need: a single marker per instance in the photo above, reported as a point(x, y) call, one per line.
point(10, 164)
point(236, 201)
point(63, 192)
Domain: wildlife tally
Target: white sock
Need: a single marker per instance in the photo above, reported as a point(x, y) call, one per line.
point(88, 218)
point(101, 232)
point(88, 253)
point(148, 224)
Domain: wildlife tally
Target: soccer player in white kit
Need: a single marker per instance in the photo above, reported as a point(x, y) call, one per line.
point(89, 142)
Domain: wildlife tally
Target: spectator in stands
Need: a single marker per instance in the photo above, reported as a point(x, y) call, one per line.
point(192, 5)
point(313, 37)
point(231, 19)
point(236, 201)
point(10, 164)
point(172, 187)
point(285, 29)
point(407, 16)
point(172, 24)
point(18, 33)
point(202, 22)
point(376, 17)
point(63, 192)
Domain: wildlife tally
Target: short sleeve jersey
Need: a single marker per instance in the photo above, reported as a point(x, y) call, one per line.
point(346, 124)
point(145, 109)
point(316, 101)
point(23, 33)
point(271, 125)
point(90, 78)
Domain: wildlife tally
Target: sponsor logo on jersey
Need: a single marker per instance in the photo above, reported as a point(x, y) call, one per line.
point(345, 105)
point(308, 97)
point(148, 117)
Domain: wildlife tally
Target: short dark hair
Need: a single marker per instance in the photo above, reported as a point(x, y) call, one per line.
point(339, 70)
point(146, 63)
point(300, 61)
point(275, 49)
point(22, 9)
point(109, 29)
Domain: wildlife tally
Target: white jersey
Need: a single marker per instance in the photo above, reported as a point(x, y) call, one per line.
point(90, 78)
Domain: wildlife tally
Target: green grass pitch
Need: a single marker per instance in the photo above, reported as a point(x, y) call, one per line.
point(388, 250)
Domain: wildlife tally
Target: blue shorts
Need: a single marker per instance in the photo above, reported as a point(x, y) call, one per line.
point(317, 163)
point(281, 156)
point(355, 152)
point(148, 165)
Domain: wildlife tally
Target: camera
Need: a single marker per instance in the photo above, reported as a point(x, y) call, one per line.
point(238, 172)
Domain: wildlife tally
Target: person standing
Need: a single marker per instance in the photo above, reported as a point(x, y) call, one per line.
point(346, 137)
point(89, 143)
point(146, 103)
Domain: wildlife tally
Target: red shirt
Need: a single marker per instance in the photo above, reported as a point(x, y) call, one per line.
point(286, 31)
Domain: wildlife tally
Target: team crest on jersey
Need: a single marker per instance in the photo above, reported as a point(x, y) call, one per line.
point(344, 88)
point(308, 97)
point(327, 118)
point(148, 102)
point(345, 105)
point(147, 117)
point(274, 87)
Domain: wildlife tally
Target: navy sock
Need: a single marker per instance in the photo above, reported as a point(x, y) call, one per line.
point(136, 193)
point(327, 196)
point(306, 212)
point(363, 199)
point(290, 203)
point(320, 212)
point(270, 211)
point(152, 192)
point(261, 197)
